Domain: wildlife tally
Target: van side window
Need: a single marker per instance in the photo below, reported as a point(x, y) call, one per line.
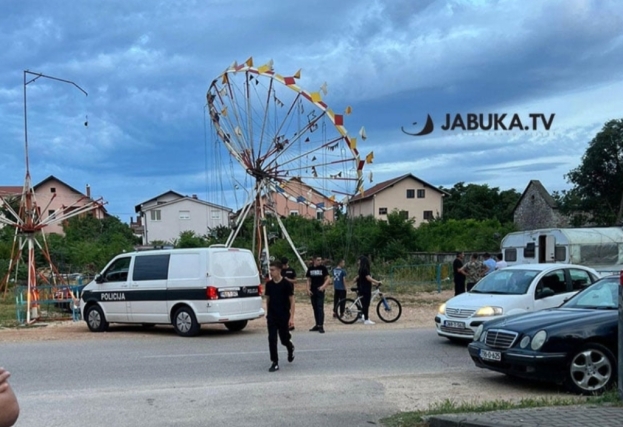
point(510, 255)
point(579, 279)
point(118, 271)
point(151, 267)
point(529, 250)
point(560, 253)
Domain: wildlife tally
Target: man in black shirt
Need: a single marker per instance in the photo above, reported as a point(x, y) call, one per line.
point(288, 272)
point(279, 314)
point(459, 276)
point(317, 281)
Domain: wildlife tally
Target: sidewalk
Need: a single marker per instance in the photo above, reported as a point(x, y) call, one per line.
point(553, 416)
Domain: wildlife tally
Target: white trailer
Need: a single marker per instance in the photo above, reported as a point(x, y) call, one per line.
point(600, 248)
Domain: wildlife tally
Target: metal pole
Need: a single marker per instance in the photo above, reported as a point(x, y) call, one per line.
point(620, 333)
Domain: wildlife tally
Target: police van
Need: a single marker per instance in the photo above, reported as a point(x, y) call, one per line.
point(182, 287)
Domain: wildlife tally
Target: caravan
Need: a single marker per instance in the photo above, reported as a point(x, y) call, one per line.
point(600, 248)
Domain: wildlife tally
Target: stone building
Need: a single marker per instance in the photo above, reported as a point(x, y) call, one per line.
point(536, 208)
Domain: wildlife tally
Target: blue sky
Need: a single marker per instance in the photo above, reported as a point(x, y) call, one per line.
point(148, 65)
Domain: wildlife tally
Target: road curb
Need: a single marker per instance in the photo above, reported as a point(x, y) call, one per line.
point(462, 421)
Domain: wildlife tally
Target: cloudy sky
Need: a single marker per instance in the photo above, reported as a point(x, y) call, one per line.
point(146, 66)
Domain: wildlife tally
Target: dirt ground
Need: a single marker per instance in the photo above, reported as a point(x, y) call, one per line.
point(418, 311)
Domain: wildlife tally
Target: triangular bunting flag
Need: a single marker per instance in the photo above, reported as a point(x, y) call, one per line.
point(362, 133)
point(238, 131)
point(348, 110)
point(323, 88)
point(370, 157)
point(297, 75)
point(224, 111)
point(225, 79)
point(249, 61)
point(370, 176)
point(315, 96)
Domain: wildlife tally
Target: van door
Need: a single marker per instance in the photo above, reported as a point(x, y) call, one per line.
point(148, 289)
point(112, 292)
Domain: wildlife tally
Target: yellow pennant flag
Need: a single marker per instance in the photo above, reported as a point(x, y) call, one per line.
point(224, 111)
point(315, 96)
point(263, 68)
point(225, 79)
point(348, 110)
point(353, 143)
point(370, 157)
point(297, 75)
point(332, 198)
point(249, 61)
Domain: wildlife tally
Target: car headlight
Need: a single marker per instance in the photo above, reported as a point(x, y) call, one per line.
point(442, 308)
point(478, 332)
point(524, 342)
point(538, 340)
point(488, 311)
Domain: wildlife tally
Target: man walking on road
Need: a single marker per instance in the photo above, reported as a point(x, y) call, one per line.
point(317, 281)
point(279, 314)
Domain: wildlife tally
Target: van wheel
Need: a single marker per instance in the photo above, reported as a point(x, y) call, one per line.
point(185, 323)
point(96, 321)
point(236, 326)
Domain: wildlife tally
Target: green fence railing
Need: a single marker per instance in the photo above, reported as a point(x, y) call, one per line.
point(433, 276)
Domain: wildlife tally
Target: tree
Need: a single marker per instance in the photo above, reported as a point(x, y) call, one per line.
point(479, 202)
point(597, 193)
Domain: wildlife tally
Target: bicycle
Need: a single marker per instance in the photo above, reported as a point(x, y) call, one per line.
point(388, 309)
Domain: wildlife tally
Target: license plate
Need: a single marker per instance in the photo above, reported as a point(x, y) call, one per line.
point(457, 325)
point(494, 356)
point(229, 294)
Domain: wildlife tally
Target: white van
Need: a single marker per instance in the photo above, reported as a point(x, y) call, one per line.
point(182, 287)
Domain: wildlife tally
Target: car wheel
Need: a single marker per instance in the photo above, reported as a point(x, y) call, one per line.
point(236, 326)
point(96, 321)
point(591, 369)
point(185, 323)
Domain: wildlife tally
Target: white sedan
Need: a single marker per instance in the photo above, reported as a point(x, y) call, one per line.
point(512, 290)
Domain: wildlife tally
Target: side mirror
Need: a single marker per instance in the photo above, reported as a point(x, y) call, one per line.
point(99, 279)
point(545, 293)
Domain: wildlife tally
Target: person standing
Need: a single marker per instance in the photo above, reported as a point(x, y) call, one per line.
point(9, 408)
point(364, 287)
point(339, 288)
point(288, 272)
point(317, 281)
point(279, 314)
point(459, 277)
point(474, 270)
point(489, 263)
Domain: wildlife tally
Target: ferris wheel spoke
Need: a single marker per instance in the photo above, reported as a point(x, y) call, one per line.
point(266, 114)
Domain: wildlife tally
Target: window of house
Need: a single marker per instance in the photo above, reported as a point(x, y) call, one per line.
point(421, 194)
point(427, 214)
point(184, 214)
point(155, 215)
point(294, 213)
point(382, 211)
point(404, 214)
point(510, 255)
point(216, 214)
point(51, 213)
point(529, 250)
point(319, 214)
point(52, 189)
point(410, 194)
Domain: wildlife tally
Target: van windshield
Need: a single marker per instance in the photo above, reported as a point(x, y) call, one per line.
point(227, 264)
point(505, 282)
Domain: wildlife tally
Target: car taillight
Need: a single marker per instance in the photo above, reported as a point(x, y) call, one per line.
point(211, 292)
point(259, 289)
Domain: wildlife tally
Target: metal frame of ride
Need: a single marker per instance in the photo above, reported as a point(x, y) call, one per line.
point(28, 221)
point(244, 133)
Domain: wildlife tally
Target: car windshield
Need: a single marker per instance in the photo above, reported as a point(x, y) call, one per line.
point(505, 282)
point(602, 295)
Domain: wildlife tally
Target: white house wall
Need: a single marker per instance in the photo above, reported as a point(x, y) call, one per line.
point(171, 226)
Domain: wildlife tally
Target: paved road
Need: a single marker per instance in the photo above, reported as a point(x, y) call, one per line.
point(221, 379)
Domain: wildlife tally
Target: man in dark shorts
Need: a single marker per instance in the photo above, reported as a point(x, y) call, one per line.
point(317, 281)
point(459, 277)
point(279, 314)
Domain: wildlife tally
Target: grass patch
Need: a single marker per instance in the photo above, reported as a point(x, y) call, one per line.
point(448, 406)
point(8, 317)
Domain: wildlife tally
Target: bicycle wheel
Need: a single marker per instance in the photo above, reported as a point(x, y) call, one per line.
point(389, 309)
point(351, 311)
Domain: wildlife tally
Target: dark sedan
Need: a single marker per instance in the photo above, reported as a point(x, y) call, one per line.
point(574, 345)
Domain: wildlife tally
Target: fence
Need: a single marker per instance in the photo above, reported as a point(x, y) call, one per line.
point(52, 302)
point(427, 276)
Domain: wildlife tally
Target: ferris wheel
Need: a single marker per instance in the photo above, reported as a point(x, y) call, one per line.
point(293, 150)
